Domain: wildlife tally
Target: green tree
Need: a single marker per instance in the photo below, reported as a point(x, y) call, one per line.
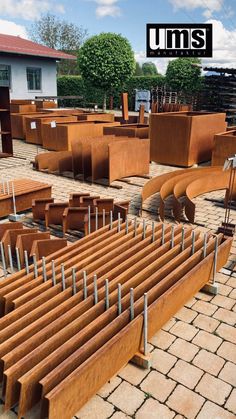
point(59, 34)
point(106, 61)
point(138, 70)
point(184, 74)
point(149, 69)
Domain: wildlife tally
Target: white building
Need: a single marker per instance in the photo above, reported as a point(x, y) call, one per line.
point(29, 69)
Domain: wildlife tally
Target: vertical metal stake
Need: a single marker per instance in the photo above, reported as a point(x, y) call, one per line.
point(172, 242)
point(85, 284)
point(95, 285)
point(118, 222)
point(107, 294)
point(145, 324)
point(74, 281)
point(119, 299)
point(163, 234)
point(135, 227)
point(10, 258)
point(13, 198)
point(153, 231)
point(126, 226)
point(193, 242)
point(89, 219)
point(182, 239)
point(26, 262)
point(205, 245)
point(63, 281)
point(215, 260)
point(54, 282)
point(96, 218)
point(111, 219)
point(18, 259)
point(8, 188)
point(35, 266)
point(144, 229)
point(44, 269)
point(3, 259)
point(131, 304)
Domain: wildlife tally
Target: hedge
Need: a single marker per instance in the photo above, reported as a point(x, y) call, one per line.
point(75, 85)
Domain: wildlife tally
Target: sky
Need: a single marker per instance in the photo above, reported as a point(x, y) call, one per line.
point(129, 18)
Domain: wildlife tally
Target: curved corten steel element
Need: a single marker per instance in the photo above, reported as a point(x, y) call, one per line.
point(181, 185)
point(211, 182)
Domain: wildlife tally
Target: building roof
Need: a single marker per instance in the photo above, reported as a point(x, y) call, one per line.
point(17, 45)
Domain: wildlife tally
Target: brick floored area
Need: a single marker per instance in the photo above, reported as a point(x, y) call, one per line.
point(193, 373)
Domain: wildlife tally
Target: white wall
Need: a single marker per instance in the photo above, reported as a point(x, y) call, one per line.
point(19, 88)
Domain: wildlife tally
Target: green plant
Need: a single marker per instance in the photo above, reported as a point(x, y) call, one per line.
point(149, 69)
point(183, 75)
point(106, 61)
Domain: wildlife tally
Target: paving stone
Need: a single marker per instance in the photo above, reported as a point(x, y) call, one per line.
point(213, 389)
point(162, 339)
point(109, 387)
point(186, 315)
point(221, 278)
point(169, 324)
point(233, 294)
point(186, 374)
point(208, 362)
point(185, 402)
point(212, 411)
point(162, 361)
point(206, 323)
point(96, 408)
point(184, 330)
point(190, 302)
point(204, 307)
point(120, 415)
point(231, 402)
point(152, 409)
point(227, 332)
point(223, 301)
point(232, 282)
point(158, 386)
point(225, 316)
point(127, 398)
point(133, 374)
point(203, 296)
point(228, 351)
point(184, 350)
point(228, 373)
point(224, 289)
point(207, 341)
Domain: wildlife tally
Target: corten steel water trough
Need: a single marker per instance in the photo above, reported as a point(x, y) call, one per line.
point(80, 315)
point(184, 138)
point(224, 146)
point(24, 191)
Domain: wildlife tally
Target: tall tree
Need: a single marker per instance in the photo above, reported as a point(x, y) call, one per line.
point(106, 61)
point(183, 75)
point(149, 69)
point(59, 34)
point(138, 70)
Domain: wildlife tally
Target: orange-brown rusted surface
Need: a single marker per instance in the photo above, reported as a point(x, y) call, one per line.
point(224, 146)
point(54, 213)
point(128, 130)
point(184, 138)
point(9, 226)
point(44, 247)
point(125, 106)
point(25, 241)
point(38, 207)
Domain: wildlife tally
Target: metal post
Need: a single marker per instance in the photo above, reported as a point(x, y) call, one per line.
point(119, 300)
point(54, 282)
point(111, 219)
point(96, 218)
point(63, 280)
point(145, 324)
point(144, 229)
point(13, 198)
point(172, 242)
point(95, 285)
point(44, 269)
point(182, 239)
point(3, 187)
point(26, 262)
point(89, 219)
point(107, 294)
point(153, 231)
point(131, 304)
point(163, 234)
point(18, 259)
point(10, 258)
point(35, 266)
point(103, 217)
point(205, 245)
point(135, 227)
point(8, 188)
point(193, 242)
point(74, 281)
point(126, 225)
point(215, 260)
point(85, 284)
point(3, 259)
point(118, 229)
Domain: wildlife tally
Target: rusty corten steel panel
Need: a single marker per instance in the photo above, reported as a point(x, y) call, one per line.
point(38, 207)
point(25, 191)
point(125, 106)
point(25, 241)
point(48, 130)
point(128, 158)
point(61, 347)
point(44, 247)
point(54, 213)
point(9, 226)
point(10, 238)
point(97, 116)
point(128, 130)
point(184, 138)
point(18, 123)
point(224, 146)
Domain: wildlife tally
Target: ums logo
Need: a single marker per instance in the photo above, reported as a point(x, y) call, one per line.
point(179, 40)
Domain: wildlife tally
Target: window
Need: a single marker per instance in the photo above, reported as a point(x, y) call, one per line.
point(33, 78)
point(5, 75)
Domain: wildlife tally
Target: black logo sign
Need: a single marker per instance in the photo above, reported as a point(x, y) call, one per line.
point(179, 40)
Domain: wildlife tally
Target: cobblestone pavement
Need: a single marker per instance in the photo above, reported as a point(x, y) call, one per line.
point(193, 373)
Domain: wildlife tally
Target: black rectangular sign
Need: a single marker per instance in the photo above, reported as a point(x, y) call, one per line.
point(179, 40)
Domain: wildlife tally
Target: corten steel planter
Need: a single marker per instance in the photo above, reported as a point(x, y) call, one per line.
point(128, 130)
point(60, 345)
point(25, 108)
point(18, 123)
point(184, 138)
point(224, 146)
point(133, 119)
point(67, 133)
point(45, 104)
point(96, 116)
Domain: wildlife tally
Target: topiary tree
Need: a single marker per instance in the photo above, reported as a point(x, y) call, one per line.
point(182, 75)
point(106, 61)
point(149, 69)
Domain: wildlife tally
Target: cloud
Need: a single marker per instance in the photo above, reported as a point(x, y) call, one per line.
point(209, 6)
point(28, 9)
point(107, 8)
point(11, 28)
